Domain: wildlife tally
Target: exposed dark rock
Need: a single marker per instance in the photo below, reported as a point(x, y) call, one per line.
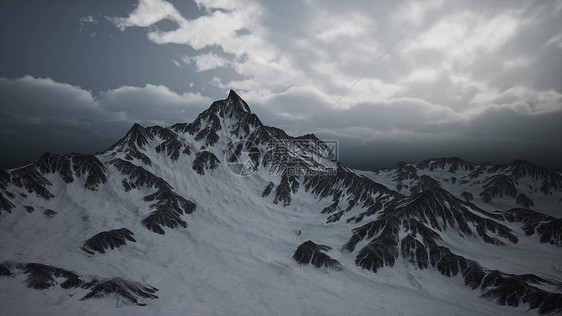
point(181, 127)
point(5, 204)
point(137, 135)
point(521, 168)
point(335, 217)
point(135, 140)
point(69, 166)
point(4, 179)
point(548, 228)
point(206, 125)
point(478, 172)
point(5, 270)
point(523, 201)
point(138, 176)
point(208, 135)
point(512, 290)
point(266, 134)
point(445, 261)
point(205, 160)
point(50, 213)
point(56, 163)
point(168, 205)
point(420, 248)
point(425, 183)
point(414, 251)
point(404, 172)
point(170, 144)
point(41, 276)
point(267, 189)
point(234, 100)
point(158, 218)
point(91, 166)
point(32, 180)
point(382, 250)
point(358, 189)
point(331, 208)
point(551, 180)
point(498, 186)
point(419, 216)
point(246, 124)
point(283, 191)
point(108, 239)
point(296, 156)
point(453, 164)
point(312, 253)
point(467, 196)
point(441, 210)
point(128, 290)
point(187, 150)
point(29, 209)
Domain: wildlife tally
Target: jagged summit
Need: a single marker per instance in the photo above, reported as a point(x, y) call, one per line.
point(310, 136)
point(232, 105)
point(452, 163)
point(235, 100)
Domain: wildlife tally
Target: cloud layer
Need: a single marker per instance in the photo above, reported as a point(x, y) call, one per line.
point(481, 80)
point(320, 53)
point(39, 114)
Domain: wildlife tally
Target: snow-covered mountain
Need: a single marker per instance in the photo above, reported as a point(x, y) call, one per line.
point(226, 215)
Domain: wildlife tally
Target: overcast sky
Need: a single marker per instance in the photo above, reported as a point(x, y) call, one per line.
point(481, 80)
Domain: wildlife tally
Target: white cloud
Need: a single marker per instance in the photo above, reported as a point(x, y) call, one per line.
point(447, 72)
point(421, 74)
point(147, 13)
point(521, 99)
point(518, 62)
point(462, 37)
point(555, 40)
point(414, 12)
point(254, 56)
point(328, 28)
point(208, 61)
point(217, 4)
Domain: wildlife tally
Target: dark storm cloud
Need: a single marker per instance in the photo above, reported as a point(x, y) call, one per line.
point(40, 115)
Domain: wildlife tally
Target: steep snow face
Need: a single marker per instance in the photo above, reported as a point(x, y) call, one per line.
point(162, 223)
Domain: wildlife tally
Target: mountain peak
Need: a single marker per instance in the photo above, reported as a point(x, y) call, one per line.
point(232, 95)
point(235, 100)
